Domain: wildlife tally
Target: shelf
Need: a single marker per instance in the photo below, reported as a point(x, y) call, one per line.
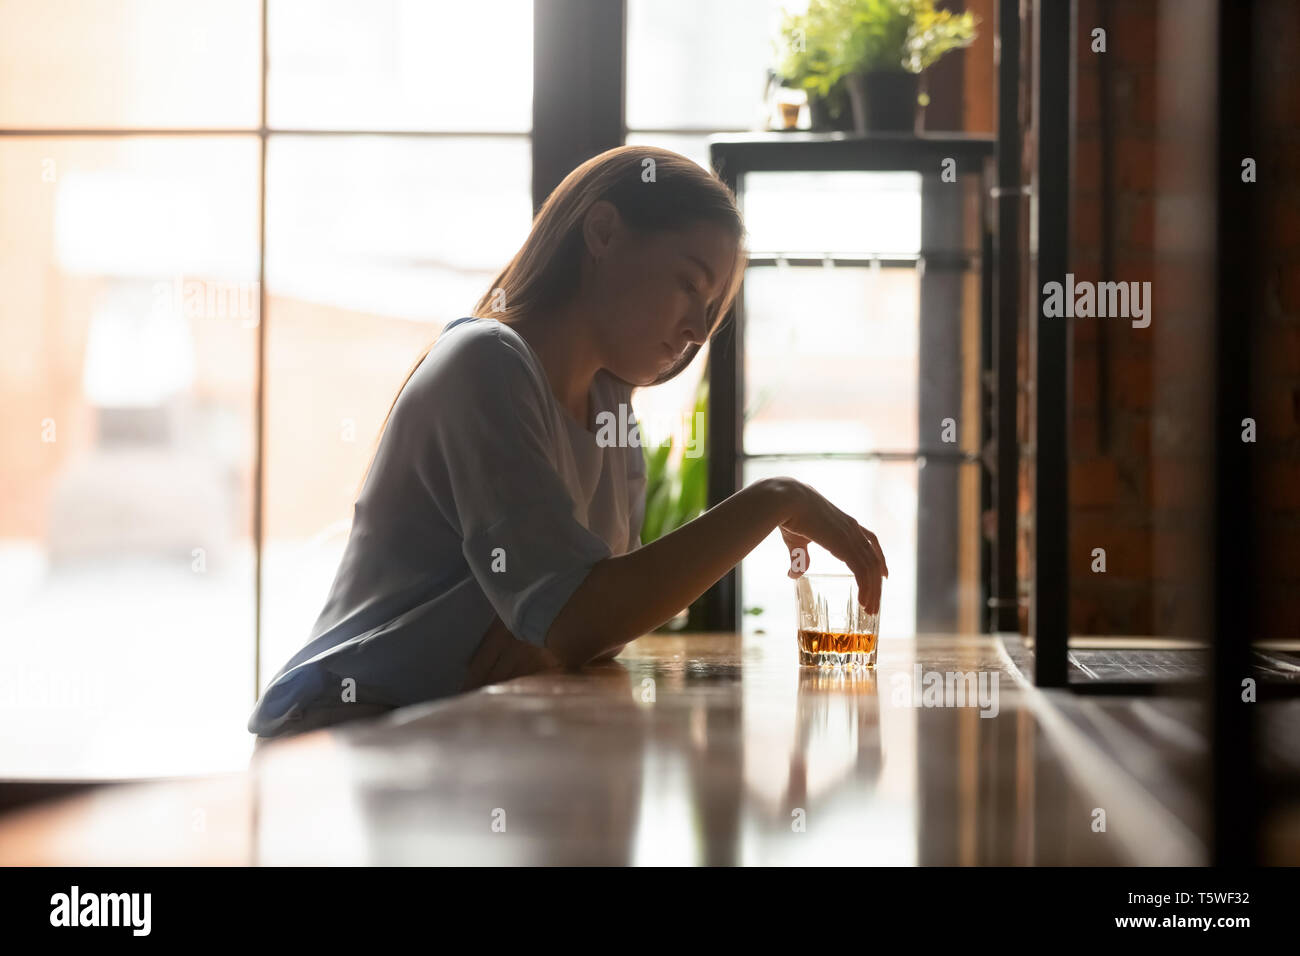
point(936, 454)
point(931, 260)
point(849, 152)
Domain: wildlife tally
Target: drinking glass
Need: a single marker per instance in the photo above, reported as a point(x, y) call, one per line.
point(834, 629)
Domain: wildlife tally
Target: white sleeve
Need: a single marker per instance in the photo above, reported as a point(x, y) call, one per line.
point(486, 457)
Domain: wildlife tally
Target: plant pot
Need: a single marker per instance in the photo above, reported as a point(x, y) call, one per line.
point(821, 113)
point(884, 101)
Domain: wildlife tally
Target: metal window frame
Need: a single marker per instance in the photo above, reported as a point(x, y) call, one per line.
point(1235, 802)
point(1053, 112)
point(1233, 780)
point(578, 56)
point(1004, 600)
point(579, 86)
point(732, 157)
point(1234, 320)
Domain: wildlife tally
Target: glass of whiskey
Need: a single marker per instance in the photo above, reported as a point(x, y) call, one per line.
point(834, 629)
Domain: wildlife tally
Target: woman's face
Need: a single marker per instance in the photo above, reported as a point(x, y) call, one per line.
point(655, 295)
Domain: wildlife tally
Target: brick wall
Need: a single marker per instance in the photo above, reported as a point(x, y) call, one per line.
point(1140, 444)
point(1112, 497)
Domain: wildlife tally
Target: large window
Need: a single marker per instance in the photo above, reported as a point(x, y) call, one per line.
point(139, 248)
point(836, 392)
point(229, 227)
point(835, 389)
point(696, 67)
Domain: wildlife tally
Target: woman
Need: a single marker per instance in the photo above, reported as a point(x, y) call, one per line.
point(495, 534)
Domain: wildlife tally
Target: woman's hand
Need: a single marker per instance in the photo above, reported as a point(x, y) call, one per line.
point(628, 595)
point(810, 517)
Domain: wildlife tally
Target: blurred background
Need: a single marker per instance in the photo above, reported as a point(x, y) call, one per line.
point(229, 227)
point(375, 180)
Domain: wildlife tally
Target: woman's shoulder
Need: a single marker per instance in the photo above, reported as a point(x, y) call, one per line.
point(474, 337)
point(472, 354)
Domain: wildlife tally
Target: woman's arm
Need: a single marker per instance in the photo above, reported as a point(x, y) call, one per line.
point(630, 594)
point(609, 655)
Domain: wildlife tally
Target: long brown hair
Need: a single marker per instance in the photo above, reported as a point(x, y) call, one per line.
point(545, 272)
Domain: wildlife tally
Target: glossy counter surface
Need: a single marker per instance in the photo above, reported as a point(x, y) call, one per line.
point(690, 749)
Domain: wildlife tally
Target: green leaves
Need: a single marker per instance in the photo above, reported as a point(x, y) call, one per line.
point(677, 495)
point(876, 35)
point(810, 44)
point(658, 492)
point(838, 37)
point(936, 32)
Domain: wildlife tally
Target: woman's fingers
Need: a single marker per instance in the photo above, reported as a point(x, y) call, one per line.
point(847, 540)
point(862, 562)
point(797, 545)
point(871, 567)
point(870, 597)
point(843, 537)
point(873, 564)
point(846, 543)
point(875, 543)
point(864, 568)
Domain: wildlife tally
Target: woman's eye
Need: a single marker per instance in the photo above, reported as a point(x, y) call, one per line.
point(689, 287)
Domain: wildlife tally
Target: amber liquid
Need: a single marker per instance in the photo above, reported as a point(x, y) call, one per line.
point(829, 647)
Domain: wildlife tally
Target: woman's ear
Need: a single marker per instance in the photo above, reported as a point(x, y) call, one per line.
point(599, 225)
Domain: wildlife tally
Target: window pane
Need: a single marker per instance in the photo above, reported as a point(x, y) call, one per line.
point(830, 359)
point(373, 243)
point(692, 147)
point(145, 63)
point(666, 412)
point(400, 64)
point(847, 212)
point(699, 63)
point(935, 531)
point(411, 228)
point(127, 373)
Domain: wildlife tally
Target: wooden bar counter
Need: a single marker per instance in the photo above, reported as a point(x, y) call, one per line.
point(686, 749)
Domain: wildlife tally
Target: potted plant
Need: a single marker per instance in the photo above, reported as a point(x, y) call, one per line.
point(887, 48)
point(809, 60)
point(675, 496)
point(874, 53)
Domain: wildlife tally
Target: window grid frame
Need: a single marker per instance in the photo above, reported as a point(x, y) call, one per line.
point(264, 133)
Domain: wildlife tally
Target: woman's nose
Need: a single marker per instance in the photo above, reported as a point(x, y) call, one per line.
point(697, 328)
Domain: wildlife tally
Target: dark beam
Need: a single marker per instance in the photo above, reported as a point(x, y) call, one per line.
point(578, 79)
point(1234, 801)
point(1006, 296)
point(1053, 121)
